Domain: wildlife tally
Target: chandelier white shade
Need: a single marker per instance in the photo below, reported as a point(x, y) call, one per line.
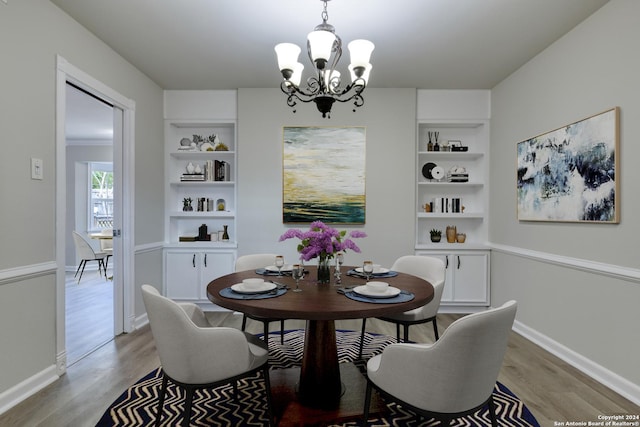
point(325, 87)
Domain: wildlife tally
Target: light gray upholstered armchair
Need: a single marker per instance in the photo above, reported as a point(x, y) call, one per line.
point(86, 253)
point(430, 269)
point(195, 355)
point(252, 262)
point(453, 377)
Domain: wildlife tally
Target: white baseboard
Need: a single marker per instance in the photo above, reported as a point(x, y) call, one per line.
point(61, 363)
point(140, 321)
point(461, 309)
point(604, 376)
point(28, 387)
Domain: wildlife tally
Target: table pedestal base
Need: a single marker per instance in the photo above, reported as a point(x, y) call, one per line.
point(290, 412)
point(320, 384)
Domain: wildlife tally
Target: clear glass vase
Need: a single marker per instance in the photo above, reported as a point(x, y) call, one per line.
point(324, 271)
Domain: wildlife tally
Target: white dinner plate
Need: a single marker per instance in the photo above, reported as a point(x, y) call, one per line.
point(390, 292)
point(242, 289)
point(378, 270)
point(286, 267)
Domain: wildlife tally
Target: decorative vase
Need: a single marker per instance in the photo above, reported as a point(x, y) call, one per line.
point(324, 272)
point(451, 234)
point(225, 233)
point(190, 168)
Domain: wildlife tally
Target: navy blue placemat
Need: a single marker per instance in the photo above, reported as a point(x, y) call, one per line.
point(229, 293)
point(403, 296)
point(390, 273)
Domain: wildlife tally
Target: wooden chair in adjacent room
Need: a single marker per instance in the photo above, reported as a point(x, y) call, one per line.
point(86, 253)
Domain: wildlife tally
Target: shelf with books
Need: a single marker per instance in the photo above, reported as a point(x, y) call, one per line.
point(205, 214)
point(202, 183)
point(462, 215)
point(451, 186)
point(200, 169)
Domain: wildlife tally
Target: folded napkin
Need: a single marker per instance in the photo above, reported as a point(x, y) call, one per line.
point(403, 296)
point(390, 273)
point(230, 293)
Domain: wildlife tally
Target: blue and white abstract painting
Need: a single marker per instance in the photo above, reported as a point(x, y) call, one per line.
point(569, 174)
point(324, 175)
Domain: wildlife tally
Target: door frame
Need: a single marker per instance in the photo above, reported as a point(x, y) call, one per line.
point(123, 155)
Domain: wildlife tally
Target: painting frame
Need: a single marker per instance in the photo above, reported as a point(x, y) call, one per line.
point(323, 174)
point(571, 174)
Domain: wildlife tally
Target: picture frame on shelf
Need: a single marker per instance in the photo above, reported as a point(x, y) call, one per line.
point(569, 174)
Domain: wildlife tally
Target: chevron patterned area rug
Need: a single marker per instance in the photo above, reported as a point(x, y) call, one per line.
point(218, 407)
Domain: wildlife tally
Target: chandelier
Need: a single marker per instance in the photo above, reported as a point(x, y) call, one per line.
point(324, 47)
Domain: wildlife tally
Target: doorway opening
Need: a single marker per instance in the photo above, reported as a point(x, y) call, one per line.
point(89, 291)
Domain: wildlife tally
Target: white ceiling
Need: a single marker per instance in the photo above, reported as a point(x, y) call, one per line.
point(425, 44)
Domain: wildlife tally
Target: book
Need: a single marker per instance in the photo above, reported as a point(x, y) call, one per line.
point(192, 177)
point(446, 205)
point(222, 171)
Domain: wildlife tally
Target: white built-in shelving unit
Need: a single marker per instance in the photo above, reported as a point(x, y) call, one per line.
point(189, 265)
point(467, 283)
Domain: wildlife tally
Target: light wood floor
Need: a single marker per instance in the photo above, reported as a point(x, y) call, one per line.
point(551, 389)
point(88, 315)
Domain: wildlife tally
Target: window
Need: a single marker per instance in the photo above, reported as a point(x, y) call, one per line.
point(100, 196)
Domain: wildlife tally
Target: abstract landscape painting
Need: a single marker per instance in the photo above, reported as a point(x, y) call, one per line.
point(570, 174)
point(324, 175)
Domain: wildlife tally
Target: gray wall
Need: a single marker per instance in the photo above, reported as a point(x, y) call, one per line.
point(33, 32)
point(576, 284)
point(389, 117)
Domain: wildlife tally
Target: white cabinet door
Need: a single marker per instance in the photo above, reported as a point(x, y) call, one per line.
point(470, 279)
point(187, 272)
point(466, 278)
point(447, 292)
point(214, 265)
point(182, 272)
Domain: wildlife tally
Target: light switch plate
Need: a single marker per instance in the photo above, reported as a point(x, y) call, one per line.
point(36, 169)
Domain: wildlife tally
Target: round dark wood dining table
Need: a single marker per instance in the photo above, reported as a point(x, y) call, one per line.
point(320, 305)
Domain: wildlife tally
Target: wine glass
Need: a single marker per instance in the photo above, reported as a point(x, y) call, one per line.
point(297, 273)
point(279, 262)
point(338, 273)
point(367, 269)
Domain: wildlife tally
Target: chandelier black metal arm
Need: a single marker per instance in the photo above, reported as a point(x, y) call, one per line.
point(324, 95)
